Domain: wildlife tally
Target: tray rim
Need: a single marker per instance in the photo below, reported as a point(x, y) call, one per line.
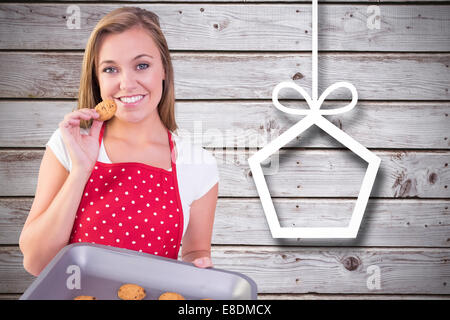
point(46, 271)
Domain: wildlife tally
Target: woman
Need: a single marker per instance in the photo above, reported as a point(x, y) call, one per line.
point(128, 182)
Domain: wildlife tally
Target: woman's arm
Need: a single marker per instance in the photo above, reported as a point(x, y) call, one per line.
point(196, 245)
point(58, 192)
point(50, 221)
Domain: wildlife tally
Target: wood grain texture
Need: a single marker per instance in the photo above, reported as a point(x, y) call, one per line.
point(297, 296)
point(246, 76)
point(386, 223)
point(324, 270)
point(318, 173)
point(246, 124)
point(389, 223)
point(333, 173)
point(304, 270)
point(255, 27)
point(228, 56)
point(264, 1)
point(306, 296)
point(14, 278)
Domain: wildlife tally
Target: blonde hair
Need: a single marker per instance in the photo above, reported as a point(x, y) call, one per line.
point(118, 21)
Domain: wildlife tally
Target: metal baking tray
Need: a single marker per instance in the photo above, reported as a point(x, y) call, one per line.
point(99, 271)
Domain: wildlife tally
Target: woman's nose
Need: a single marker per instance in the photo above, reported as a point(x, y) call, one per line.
point(127, 81)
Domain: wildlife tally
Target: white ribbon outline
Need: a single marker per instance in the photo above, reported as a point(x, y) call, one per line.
point(314, 117)
point(315, 105)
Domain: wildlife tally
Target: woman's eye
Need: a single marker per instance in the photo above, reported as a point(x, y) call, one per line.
point(109, 70)
point(142, 66)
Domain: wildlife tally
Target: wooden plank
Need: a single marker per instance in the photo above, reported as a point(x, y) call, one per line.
point(269, 296)
point(261, 1)
point(333, 173)
point(14, 278)
point(266, 27)
point(305, 270)
point(49, 74)
point(386, 223)
point(264, 296)
point(339, 270)
point(13, 213)
point(30, 123)
point(27, 163)
point(14, 296)
point(299, 173)
point(373, 124)
point(248, 76)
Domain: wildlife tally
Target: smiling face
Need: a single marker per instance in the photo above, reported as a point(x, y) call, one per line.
point(130, 71)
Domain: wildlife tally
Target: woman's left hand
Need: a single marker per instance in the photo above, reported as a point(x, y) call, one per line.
point(203, 262)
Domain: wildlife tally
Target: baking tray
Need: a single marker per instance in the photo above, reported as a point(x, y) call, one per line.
point(101, 270)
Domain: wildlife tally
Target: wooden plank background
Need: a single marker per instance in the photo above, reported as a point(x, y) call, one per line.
point(228, 56)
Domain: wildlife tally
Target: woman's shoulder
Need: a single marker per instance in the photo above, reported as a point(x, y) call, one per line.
point(56, 139)
point(57, 145)
point(57, 133)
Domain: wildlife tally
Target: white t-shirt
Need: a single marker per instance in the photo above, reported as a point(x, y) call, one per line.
point(197, 169)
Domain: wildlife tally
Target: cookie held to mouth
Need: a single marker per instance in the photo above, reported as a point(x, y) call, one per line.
point(106, 109)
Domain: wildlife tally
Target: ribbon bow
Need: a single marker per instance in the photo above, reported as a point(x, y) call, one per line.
point(314, 103)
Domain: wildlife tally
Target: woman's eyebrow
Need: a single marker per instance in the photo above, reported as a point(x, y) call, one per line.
point(135, 58)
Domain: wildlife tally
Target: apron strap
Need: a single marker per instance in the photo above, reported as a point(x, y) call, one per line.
point(100, 137)
point(172, 155)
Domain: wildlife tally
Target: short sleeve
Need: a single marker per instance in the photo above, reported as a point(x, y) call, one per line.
point(208, 173)
point(56, 144)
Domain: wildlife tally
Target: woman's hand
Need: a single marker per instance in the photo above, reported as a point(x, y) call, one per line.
point(83, 149)
point(203, 262)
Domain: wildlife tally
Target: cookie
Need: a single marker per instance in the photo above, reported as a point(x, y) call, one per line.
point(171, 296)
point(85, 298)
point(106, 109)
point(131, 291)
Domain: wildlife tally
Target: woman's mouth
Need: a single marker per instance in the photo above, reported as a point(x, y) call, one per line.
point(130, 101)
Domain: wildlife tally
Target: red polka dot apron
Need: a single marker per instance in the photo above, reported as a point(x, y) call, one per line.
point(131, 205)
